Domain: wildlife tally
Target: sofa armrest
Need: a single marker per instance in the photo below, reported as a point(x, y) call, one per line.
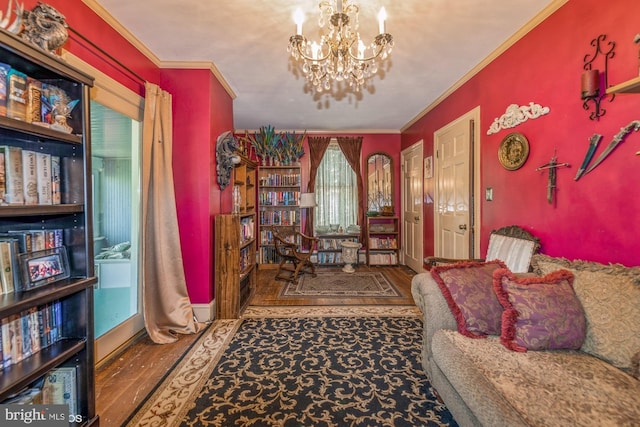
point(436, 314)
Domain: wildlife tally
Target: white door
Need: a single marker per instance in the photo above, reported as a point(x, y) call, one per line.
point(455, 213)
point(412, 207)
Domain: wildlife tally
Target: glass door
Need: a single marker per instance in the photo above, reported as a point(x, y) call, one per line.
point(116, 165)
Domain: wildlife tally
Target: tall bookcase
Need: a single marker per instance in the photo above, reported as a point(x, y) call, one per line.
point(383, 245)
point(278, 206)
point(69, 299)
point(235, 251)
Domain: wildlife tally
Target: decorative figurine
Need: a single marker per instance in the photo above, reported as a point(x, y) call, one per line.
point(226, 157)
point(45, 27)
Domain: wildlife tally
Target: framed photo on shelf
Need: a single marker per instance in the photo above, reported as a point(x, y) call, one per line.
point(44, 267)
point(428, 167)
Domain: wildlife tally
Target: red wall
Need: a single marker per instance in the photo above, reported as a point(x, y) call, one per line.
point(592, 218)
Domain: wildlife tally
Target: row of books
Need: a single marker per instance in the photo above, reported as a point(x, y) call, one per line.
point(279, 198)
point(30, 100)
point(279, 179)
point(383, 243)
point(246, 260)
point(328, 244)
point(247, 229)
point(266, 238)
point(16, 242)
point(25, 334)
point(35, 178)
point(59, 386)
point(279, 217)
point(390, 258)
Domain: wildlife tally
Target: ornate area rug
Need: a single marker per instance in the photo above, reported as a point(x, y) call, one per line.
point(337, 284)
point(293, 366)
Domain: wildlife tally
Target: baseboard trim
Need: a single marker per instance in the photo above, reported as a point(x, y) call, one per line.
point(204, 312)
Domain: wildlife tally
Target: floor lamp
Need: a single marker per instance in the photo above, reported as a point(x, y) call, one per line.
point(307, 201)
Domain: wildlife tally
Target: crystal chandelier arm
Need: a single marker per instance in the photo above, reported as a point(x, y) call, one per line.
point(298, 41)
point(381, 41)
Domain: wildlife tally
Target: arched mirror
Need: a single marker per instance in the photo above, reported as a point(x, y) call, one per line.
point(379, 184)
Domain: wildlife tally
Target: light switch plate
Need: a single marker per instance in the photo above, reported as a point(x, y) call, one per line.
point(488, 194)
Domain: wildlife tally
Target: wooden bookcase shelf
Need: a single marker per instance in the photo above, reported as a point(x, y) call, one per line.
point(278, 206)
point(235, 247)
point(383, 240)
point(329, 252)
point(69, 299)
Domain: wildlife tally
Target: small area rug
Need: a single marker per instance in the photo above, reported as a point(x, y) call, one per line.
point(337, 284)
point(297, 366)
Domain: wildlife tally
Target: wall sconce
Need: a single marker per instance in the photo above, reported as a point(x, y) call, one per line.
point(591, 78)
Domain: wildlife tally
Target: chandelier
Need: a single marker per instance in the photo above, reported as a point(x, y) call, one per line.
point(341, 55)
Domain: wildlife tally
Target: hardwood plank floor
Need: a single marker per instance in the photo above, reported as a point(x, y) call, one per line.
point(124, 381)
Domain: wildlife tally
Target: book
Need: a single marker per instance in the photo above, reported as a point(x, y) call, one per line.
point(6, 267)
point(25, 332)
point(72, 180)
point(4, 71)
point(16, 95)
point(43, 170)
point(34, 329)
point(23, 237)
point(7, 360)
point(13, 174)
point(60, 388)
point(55, 180)
point(34, 101)
point(3, 186)
point(29, 177)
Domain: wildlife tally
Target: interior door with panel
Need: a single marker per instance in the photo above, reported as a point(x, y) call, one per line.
point(453, 236)
point(412, 226)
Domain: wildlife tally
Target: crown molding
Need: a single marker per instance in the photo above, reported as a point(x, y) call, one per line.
point(330, 132)
point(124, 32)
point(544, 14)
point(199, 65)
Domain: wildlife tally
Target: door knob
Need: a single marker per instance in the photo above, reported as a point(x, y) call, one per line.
point(416, 218)
point(462, 226)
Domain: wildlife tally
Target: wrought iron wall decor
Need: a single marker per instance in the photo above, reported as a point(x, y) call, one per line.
point(593, 79)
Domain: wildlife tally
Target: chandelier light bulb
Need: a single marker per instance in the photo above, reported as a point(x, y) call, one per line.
point(382, 16)
point(298, 18)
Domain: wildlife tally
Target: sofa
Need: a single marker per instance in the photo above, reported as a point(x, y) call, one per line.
point(584, 378)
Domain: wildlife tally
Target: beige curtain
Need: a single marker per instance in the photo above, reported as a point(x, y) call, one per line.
point(317, 146)
point(166, 305)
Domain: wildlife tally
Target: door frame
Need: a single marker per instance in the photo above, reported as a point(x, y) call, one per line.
point(474, 179)
point(420, 145)
point(117, 97)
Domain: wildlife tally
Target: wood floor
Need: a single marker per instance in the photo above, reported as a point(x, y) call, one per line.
point(124, 381)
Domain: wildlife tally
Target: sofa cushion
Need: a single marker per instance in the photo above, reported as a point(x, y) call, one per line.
point(546, 388)
point(540, 313)
point(610, 297)
point(468, 289)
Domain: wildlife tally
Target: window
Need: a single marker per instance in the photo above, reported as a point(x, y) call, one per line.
point(336, 190)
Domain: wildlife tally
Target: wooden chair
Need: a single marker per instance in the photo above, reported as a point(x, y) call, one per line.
point(512, 245)
point(295, 250)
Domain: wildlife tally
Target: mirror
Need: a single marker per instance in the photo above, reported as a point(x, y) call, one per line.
point(380, 184)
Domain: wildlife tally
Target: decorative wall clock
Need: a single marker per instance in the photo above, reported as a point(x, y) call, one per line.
point(513, 151)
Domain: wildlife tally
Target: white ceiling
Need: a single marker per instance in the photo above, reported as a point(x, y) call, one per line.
point(437, 42)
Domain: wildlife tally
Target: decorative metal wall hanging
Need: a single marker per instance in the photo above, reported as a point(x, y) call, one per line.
point(553, 165)
point(515, 115)
point(226, 157)
point(513, 151)
point(633, 126)
point(592, 78)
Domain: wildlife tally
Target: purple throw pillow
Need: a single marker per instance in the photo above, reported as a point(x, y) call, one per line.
point(540, 313)
point(468, 289)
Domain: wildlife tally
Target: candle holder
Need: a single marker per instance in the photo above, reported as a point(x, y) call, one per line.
point(592, 78)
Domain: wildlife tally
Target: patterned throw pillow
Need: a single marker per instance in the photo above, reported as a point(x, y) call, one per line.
point(610, 296)
point(468, 289)
point(540, 313)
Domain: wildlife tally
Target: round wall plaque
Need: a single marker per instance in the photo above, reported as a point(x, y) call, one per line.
point(513, 151)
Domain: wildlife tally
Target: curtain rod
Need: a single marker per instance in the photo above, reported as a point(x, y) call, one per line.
point(108, 55)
